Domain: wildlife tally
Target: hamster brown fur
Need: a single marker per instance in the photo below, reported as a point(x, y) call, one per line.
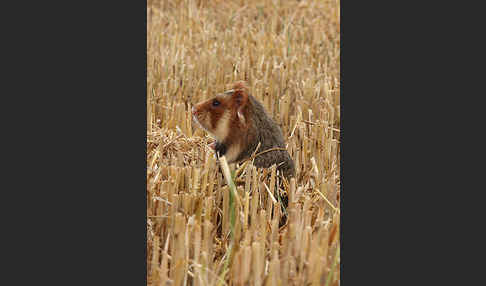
point(239, 122)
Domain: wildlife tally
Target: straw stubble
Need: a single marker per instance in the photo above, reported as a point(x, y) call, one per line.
point(197, 234)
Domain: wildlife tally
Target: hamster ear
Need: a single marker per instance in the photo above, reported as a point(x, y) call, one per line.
point(241, 116)
point(240, 93)
point(240, 85)
point(240, 96)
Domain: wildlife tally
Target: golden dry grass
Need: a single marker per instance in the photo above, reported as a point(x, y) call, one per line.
point(201, 231)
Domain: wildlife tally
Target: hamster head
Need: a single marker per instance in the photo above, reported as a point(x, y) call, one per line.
point(224, 114)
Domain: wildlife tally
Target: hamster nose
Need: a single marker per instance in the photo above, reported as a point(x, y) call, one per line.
point(194, 111)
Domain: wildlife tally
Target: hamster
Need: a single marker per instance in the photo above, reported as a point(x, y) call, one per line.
point(239, 123)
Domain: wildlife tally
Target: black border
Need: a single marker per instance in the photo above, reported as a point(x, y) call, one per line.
point(75, 194)
point(410, 131)
point(77, 125)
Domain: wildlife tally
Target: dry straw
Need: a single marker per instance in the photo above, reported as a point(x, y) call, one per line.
point(213, 224)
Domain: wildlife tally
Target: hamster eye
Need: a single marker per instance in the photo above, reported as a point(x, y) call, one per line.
point(216, 102)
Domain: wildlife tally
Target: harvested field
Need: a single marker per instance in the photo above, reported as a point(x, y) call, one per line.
point(209, 225)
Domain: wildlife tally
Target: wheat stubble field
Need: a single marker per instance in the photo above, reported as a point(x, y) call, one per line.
point(204, 228)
